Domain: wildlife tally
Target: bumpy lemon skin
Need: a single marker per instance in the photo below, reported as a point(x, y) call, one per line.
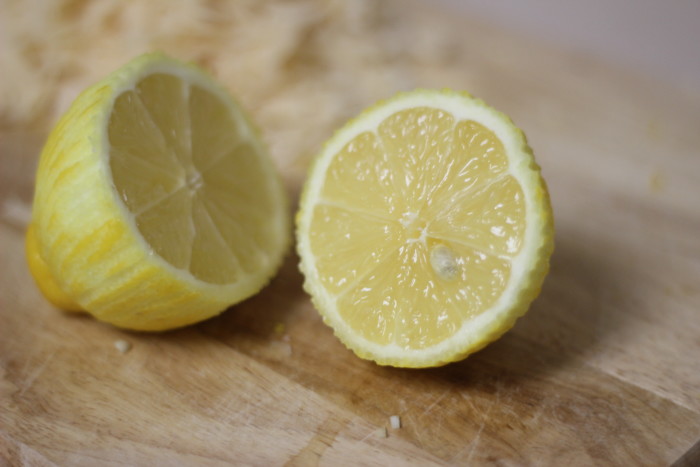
point(43, 277)
point(528, 290)
point(88, 241)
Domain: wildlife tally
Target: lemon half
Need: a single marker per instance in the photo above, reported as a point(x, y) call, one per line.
point(425, 229)
point(156, 204)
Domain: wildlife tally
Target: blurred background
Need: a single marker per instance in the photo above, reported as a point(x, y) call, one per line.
point(661, 39)
point(320, 61)
point(609, 89)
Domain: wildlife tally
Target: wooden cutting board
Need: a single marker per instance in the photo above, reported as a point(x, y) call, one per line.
point(604, 369)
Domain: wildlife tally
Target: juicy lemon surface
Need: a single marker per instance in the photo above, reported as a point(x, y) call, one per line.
point(425, 229)
point(156, 204)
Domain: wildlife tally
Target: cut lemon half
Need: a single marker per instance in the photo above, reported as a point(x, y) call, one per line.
point(424, 229)
point(156, 204)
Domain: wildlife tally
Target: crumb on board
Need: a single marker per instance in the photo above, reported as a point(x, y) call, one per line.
point(122, 346)
point(381, 432)
point(279, 328)
point(395, 421)
point(281, 349)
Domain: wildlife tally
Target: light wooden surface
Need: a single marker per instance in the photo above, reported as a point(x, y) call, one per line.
point(604, 369)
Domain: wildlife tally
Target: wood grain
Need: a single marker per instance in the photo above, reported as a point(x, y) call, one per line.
point(603, 370)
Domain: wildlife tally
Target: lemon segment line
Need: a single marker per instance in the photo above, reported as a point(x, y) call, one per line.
point(355, 210)
point(159, 200)
point(349, 286)
point(152, 120)
point(145, 163)
point(239, 267)
point(222, 157)
point(475, 189)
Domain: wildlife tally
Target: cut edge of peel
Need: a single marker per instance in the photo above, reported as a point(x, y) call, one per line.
point(43, 277)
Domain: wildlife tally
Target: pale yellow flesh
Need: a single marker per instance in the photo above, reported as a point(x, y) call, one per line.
point(189, 180)
point(416, 227)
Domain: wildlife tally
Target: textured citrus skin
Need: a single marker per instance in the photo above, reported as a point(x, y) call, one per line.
point(90, 250)
point(43, 277)
point(527, 289)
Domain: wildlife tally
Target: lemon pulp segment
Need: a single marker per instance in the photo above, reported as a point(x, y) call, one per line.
point(420, 215)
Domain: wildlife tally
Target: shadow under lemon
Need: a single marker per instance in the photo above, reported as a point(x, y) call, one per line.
point(574, 315)
point(576, 312)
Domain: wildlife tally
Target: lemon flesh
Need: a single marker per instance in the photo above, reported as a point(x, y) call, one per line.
point(190, 179)
point(156, 204)
point(425, 229)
